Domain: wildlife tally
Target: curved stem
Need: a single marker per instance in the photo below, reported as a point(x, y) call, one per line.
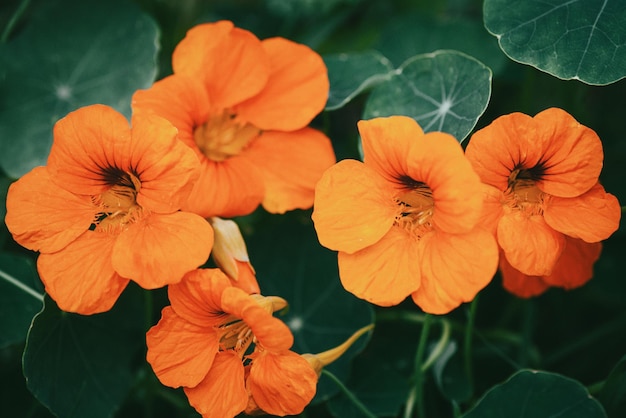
point(349, 394)
point(467, 342)
point(440, 347)
point(416, 396)
point(13, 21)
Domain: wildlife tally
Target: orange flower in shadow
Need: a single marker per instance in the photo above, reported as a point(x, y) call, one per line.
point(243, 105)
point(223, 345)
point(543, 199)
point(105, 209)
point(405, 221)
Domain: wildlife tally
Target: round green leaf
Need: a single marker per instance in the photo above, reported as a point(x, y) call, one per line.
point(444, 91)
point(82, 366)
point(537, 394)
point(70, 54)
point(580, 39)
point(21, 297)
point(351, 74)
point(290, 263)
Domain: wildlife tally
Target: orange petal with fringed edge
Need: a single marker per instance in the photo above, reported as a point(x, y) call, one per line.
point(496, 150)
point(354, 207)
point(592, 217)
point(384, 273)
point(296, 91)
point(86, 142)
point(198, 297)
point(270, 332)
point(575, 267)
point(520, 284)
point(291, 163)
point(180, 352)
point(572, 154)
point(222, 394)
point(159, 249)
point(44, 217)
point(228, 188)
point(80, 278)
point(282, 383)
point(529, 244)
point(230, 62)
point(492, 208)
point(453, 271)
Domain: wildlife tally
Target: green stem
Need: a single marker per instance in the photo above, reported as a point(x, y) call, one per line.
point(13, 21)
point(416, 396)
point(440, 347)
point(595, 388)
point(468, 340)
point(349, 394)
point(527, 331)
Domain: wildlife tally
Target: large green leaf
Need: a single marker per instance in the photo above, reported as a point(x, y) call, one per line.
point(351, 74)
point(577, 39)
point(443, 91)
point(71, 53)
point(613, 394)
point(290, 263)
point(82, 366)
point(21, 297)
point(531, 393)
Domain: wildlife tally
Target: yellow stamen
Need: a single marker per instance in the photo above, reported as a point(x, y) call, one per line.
point(224, 136)
point(416, 210)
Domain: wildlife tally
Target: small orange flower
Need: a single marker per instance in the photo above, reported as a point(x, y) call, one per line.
point(405, 221)
point(106, 209)
point(542, 195)
point(243, 105)
point(204, 339)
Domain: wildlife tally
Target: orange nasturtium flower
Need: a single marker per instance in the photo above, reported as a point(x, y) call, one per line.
point(243, 105)
point(203, 342)
point(542, 197)
point(105, 209)
point(405, 221)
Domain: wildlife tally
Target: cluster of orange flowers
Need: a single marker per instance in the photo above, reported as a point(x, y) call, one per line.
point(227, 132)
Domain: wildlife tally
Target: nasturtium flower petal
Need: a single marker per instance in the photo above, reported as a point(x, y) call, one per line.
point(44, 217)
point(496, 150)
point(222, 393)
point(572, 156)
point(520, 284)
point(384, 273)
point(592, 217)
point(81, 278)
point(492, 208)
point(575, 266)
point(180, 353)
point(282, 383)
point(86, 142)
point(198, 297)
point(296, 91)
point(270, 332)
point(231, 62)
point(529, 244)
point(354, 207)
point(166, 167)
point(289, 176)
point(453, 270)
point(159, 249)
point(386, 145)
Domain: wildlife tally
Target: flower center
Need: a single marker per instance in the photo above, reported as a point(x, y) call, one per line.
point(118, 205)
point(416, 209)
point(523, 193)
point(224, 136)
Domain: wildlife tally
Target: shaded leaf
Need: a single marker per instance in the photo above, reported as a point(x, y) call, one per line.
point(579, 39)
point(537, 394)
point(21, 297)
point(290, 263)
point(82, 366)
point(450, 375)
point(351, 74)
point(613, 394)
point(71, 54)
point(444, 91)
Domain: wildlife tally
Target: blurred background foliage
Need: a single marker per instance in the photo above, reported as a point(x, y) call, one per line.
point(575, 334)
